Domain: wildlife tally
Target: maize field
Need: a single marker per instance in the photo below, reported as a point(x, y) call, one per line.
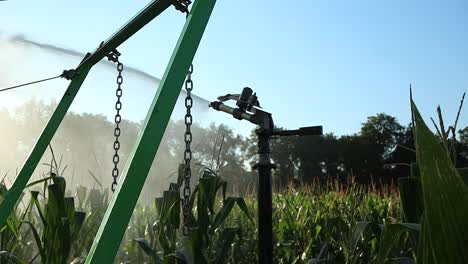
point(423, 220)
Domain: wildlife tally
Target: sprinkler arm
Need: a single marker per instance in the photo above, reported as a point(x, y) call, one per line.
point(257, 116)
point(220, 106)
point(265, 121)
point(303, 131)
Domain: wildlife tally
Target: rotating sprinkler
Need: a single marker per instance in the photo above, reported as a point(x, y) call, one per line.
point(248, 108)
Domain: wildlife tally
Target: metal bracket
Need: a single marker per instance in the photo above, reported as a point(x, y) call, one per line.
point(69, 74)
point(113, 56)
point(182, 5)
point(268, 165)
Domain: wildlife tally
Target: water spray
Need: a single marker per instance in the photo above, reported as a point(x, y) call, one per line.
point(248, 108)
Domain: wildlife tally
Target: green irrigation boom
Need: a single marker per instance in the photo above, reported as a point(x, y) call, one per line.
point(117, 216)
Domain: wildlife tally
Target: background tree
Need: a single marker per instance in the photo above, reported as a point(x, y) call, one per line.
point(462, 148)
point(384, 131)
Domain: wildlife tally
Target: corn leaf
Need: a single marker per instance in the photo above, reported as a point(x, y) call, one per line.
point(224, 244)
point(145, 246)
point(391, 236)
point(37, 238)
point(411, 199)
point(445, 197)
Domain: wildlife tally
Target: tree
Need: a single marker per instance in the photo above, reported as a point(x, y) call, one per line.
point(282, 154)
point(384, 130)
point(462, 148)
point(463, 135)
point(359, 157)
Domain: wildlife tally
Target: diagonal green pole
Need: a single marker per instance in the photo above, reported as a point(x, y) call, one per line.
point(148, 13)
point(117, 216)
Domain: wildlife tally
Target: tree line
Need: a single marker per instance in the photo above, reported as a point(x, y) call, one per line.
point(381, 151)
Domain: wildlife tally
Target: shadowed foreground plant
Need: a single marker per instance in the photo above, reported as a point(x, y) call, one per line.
point(61, 223)
point(210, 239)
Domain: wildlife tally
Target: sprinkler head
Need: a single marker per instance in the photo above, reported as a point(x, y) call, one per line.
point(247, 100)
point(243, 101)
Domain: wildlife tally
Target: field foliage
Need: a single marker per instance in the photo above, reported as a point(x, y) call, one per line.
point(423, 220)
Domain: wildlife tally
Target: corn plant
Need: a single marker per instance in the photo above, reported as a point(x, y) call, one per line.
point(423, 221)
point(60, 224)
point(210, 238)
point(12, 233)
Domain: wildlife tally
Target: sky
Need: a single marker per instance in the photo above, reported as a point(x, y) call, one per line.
point(330, 63)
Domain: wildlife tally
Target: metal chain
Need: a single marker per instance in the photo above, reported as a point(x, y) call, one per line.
point(117, 119)
point(188, 152)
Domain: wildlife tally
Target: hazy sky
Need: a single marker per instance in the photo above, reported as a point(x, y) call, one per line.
point(311, 62)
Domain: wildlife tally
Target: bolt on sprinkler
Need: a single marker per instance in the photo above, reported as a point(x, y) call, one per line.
point(248, 108)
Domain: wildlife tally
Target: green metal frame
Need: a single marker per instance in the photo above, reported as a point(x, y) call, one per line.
point(123, 201)
point(112, 229)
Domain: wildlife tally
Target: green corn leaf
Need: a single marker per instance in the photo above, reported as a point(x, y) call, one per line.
point(317, 261)
point(158, 202)
point(61, 183)
point(16, 260)
point(411, 199)
point(145, 246)
point(223, 212)
point(224, 188)
point(39, 181)
point(11, 227)
point(224, 244)
point(69, 206)
point(169, 219)
point(78, 260)
point(401, 261)
point(170, 212)
point(208, 188)
point(37, 238)
point(194, 195)
point(173, 187)
point(203, 203)
point(79, 220)
point(180, 174)
point(464, 174)
point(243, 206)
point(196, 244)
point(176, 257)
point(12, 258)
point(445, 197)
point(34, 197)
point(391, 236)
point(57, 234)
point(227, 208)
point(358, 231)
point(424, 256)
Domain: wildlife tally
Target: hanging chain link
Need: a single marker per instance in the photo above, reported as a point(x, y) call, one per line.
point(183, 5)
point(188, 151)
point(118, 119)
